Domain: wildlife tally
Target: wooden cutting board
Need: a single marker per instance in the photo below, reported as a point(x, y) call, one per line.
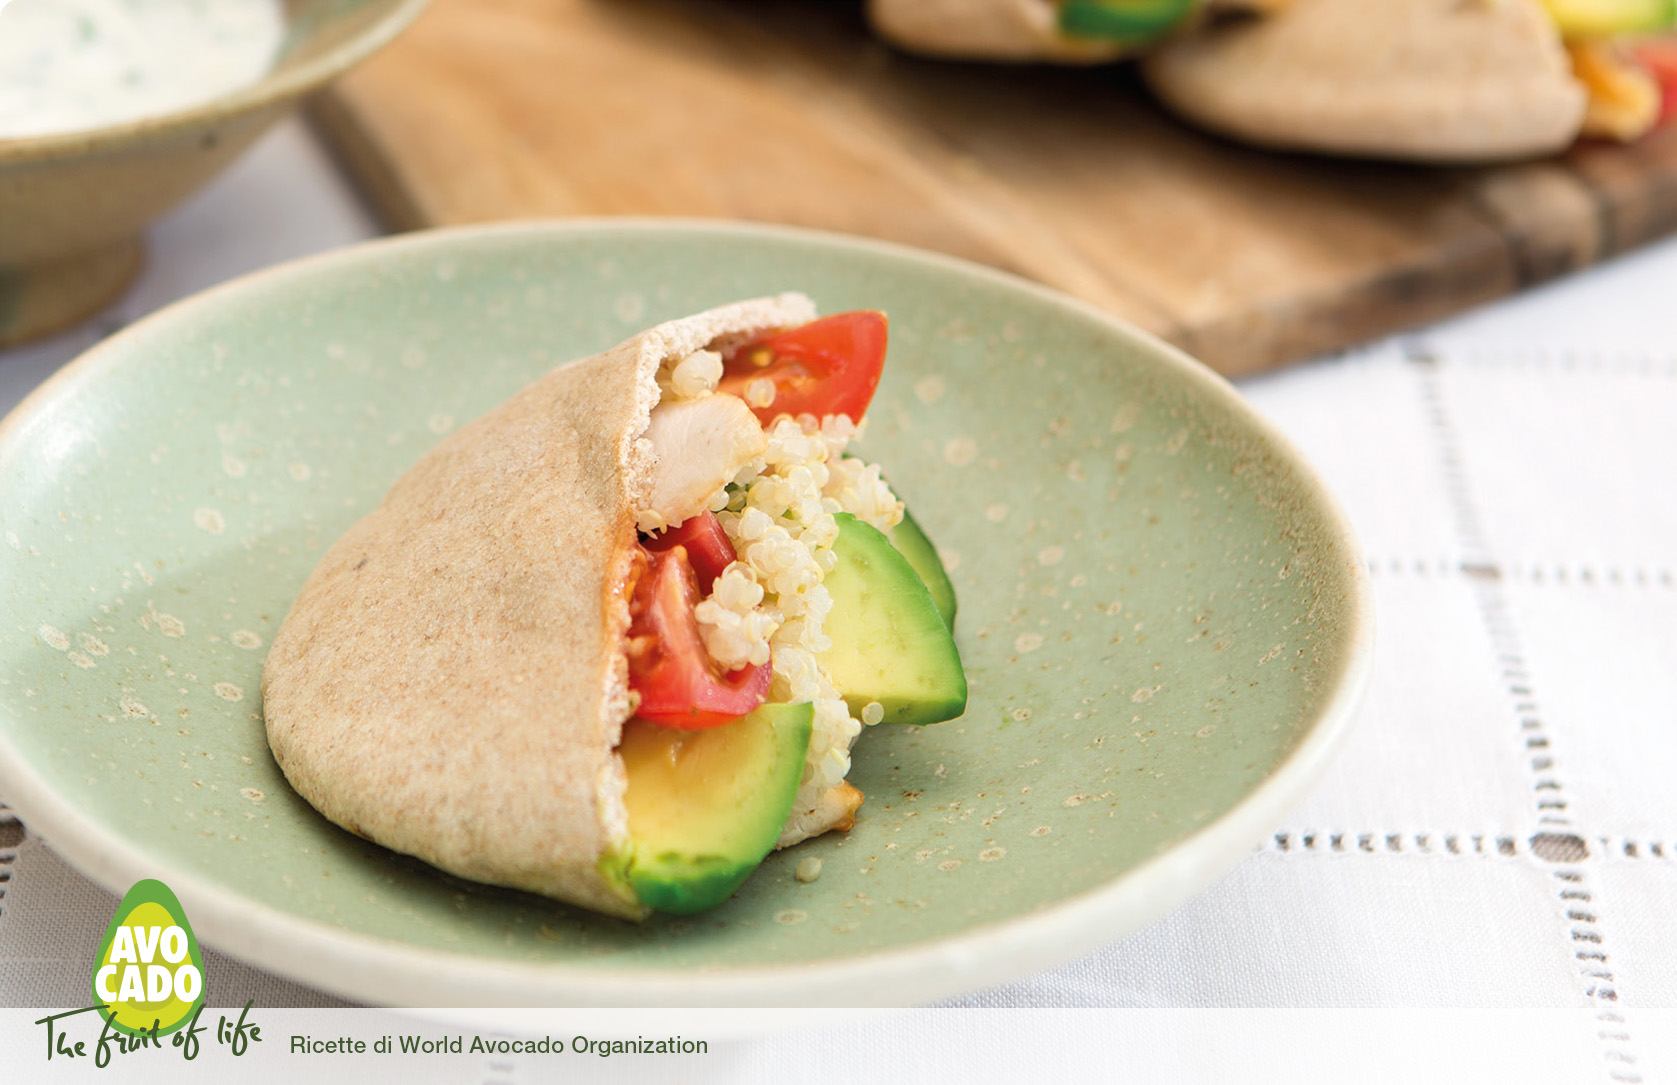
point(789, 111)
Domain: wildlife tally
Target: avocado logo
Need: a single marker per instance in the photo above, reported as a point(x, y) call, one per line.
point(149, 974)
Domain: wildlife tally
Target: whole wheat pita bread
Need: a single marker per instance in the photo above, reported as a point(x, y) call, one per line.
point(451, 682)
point(1436, 80)
point(1004, 30)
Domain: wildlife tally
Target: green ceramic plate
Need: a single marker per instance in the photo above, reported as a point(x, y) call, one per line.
point(1162, 615)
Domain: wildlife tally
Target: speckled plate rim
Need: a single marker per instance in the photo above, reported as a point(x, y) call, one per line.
point(383, 972)
point(273, 86)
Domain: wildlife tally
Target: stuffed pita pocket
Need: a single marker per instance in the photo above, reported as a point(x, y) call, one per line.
point(542, 663)
point(1433, 80)
point(1054, 31)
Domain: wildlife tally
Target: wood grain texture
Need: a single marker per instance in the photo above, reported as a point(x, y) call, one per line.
point(789, 111)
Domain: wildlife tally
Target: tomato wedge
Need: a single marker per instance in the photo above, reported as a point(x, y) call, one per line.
point(707, 546)
point(679, 684)
point(828, 366)
point(1659, 57)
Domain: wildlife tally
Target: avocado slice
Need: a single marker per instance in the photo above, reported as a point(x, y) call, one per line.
point(911, 543)
point(706, 806)
point(1125, 20)
point(1600, 18)
point(890, 644)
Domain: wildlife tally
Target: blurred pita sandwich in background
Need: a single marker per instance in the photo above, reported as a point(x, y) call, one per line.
point(1053, 31)
point(1426, 79)
point(1005, 30)
point(1432, 80)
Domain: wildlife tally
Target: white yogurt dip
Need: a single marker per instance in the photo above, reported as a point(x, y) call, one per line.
point(67, 65)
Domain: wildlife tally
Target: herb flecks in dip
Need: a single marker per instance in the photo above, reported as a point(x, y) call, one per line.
point(69, 65)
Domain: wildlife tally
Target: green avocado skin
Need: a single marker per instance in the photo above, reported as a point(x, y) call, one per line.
point(725, 831)
point(1122, 20)
point(911, 542)
point(678, 884)
point(890, 643)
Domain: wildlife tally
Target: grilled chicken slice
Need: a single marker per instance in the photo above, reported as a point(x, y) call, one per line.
point(700, 445)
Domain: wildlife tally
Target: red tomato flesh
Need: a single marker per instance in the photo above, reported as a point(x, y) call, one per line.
point(1659, 57)
point(707, 546)
point(828, 366)
point(679, 684)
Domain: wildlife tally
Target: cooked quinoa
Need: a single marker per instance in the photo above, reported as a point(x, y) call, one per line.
point(693, 376)
point(770, 604)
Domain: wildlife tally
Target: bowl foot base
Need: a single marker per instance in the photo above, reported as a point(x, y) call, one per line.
point(40, 299)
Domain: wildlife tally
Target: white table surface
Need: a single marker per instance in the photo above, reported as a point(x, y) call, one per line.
point(1500, 833)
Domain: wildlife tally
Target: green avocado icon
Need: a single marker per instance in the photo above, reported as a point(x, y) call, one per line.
point(149, 973)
